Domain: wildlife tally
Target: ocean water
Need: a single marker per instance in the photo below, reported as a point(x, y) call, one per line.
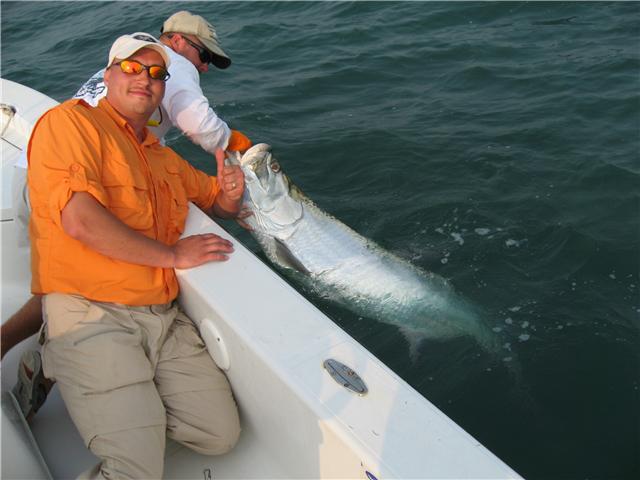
point(495, 144)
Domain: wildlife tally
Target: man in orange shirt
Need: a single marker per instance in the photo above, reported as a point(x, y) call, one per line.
point(191, 44)
point(108, 206)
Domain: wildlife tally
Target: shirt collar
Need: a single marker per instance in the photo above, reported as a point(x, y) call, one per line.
point(149, 139)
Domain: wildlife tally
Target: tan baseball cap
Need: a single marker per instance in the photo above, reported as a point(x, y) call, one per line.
point(186, 22)
point(127, 45)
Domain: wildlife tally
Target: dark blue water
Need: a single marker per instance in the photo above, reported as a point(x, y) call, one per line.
point(496, 144)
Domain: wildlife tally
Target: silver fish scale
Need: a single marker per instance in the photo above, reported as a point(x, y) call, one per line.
point(338, 256)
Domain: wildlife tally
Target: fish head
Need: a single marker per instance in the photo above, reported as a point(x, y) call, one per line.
point(269, 194)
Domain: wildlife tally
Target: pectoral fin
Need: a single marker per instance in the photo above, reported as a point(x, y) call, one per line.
point(288, 259)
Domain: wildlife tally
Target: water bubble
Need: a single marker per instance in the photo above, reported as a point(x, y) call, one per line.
point(524, 337)
point(508, 321)
point(514, 243)
point(458, 238)
point(482, 231)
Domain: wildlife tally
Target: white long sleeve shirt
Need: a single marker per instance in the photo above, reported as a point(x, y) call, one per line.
point(183, 106)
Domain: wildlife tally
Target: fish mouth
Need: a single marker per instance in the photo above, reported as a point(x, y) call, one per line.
point(254, 163)
point(267, 189)
point(252, 156)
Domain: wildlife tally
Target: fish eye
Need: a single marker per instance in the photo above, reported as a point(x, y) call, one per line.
point(275, 166)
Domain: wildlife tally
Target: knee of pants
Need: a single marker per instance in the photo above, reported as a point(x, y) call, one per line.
point(216, 437)
point(225, 437)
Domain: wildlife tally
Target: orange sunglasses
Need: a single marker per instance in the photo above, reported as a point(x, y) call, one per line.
point(156, 72)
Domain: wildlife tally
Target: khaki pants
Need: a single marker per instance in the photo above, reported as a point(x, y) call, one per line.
point(130, 375)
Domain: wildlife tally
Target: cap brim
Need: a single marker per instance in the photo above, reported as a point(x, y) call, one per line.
point(220, 62)
point(218, 57)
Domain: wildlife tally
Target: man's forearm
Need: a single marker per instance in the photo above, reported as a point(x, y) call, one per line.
point(86, 220)
point(189, 110)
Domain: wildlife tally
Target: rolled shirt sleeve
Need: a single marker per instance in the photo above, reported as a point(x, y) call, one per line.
point(72, 166)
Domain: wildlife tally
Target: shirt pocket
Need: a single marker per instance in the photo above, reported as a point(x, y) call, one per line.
point(129, 198)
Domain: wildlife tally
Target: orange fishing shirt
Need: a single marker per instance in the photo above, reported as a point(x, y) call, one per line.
point(77, 148)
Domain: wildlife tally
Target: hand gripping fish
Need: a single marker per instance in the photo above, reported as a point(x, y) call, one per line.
point(336, 262)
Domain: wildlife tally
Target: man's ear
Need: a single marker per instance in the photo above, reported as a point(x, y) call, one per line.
point(175, 39)
point(107, 74)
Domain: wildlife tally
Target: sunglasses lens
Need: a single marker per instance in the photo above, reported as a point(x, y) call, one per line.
point(131, 67)
point(158, 73)
point(205, 56)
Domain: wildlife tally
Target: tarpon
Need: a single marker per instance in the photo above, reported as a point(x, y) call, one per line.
point(338, 263)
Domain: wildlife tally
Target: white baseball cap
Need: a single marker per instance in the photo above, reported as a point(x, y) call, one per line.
point(127, 45)
point(186, 22)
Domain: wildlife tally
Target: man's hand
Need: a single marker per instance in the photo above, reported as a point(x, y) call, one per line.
point(231, 182)
point(198, 249)
point(230, 178)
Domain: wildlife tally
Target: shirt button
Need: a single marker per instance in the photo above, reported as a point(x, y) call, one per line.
point(75, 167)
